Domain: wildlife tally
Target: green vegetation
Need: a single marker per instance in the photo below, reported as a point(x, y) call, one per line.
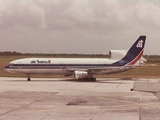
point(150, 71)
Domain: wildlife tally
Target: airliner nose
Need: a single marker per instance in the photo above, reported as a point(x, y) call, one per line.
point(6, 68)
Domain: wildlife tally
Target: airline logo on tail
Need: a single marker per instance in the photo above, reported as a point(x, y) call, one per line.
point(134, 53)
point(140, 44)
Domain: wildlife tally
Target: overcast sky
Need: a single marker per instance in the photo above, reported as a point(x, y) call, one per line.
point(78, 26)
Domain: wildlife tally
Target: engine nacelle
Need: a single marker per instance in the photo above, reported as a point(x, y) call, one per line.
point(117, 54)
point(80, 74)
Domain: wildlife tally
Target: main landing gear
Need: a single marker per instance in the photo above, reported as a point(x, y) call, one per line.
point(91, 79)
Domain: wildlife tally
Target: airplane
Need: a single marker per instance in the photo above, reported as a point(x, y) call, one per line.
point(81, 68)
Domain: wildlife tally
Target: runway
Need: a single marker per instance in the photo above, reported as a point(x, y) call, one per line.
point(69, 99)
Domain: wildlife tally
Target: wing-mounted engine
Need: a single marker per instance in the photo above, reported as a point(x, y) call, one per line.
point(81, 74)
point(117, 54)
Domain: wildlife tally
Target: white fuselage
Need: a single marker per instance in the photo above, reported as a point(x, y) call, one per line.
point(63, 66)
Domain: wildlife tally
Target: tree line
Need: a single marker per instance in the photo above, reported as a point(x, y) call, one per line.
point(14, 53)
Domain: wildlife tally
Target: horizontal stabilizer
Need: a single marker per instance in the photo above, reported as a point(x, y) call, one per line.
point(146, 65)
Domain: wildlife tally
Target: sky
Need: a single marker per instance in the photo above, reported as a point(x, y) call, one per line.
point(78, 26)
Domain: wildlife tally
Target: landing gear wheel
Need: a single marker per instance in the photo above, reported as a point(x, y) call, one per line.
point(93, 79)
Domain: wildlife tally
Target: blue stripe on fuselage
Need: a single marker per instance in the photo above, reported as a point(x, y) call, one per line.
point(57, 66)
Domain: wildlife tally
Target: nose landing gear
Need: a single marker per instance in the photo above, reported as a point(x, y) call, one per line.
point(28, 79)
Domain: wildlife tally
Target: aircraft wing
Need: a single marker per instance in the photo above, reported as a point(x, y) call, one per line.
point(98, 69)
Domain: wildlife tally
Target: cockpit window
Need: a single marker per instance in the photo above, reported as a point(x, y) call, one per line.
point(11, 64)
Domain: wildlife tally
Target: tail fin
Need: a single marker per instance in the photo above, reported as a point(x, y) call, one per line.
point(134, 53)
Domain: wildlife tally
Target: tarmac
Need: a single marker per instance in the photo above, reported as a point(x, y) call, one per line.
point(69, 99)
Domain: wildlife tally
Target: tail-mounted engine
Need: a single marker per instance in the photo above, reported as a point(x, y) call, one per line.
point(117, 54)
